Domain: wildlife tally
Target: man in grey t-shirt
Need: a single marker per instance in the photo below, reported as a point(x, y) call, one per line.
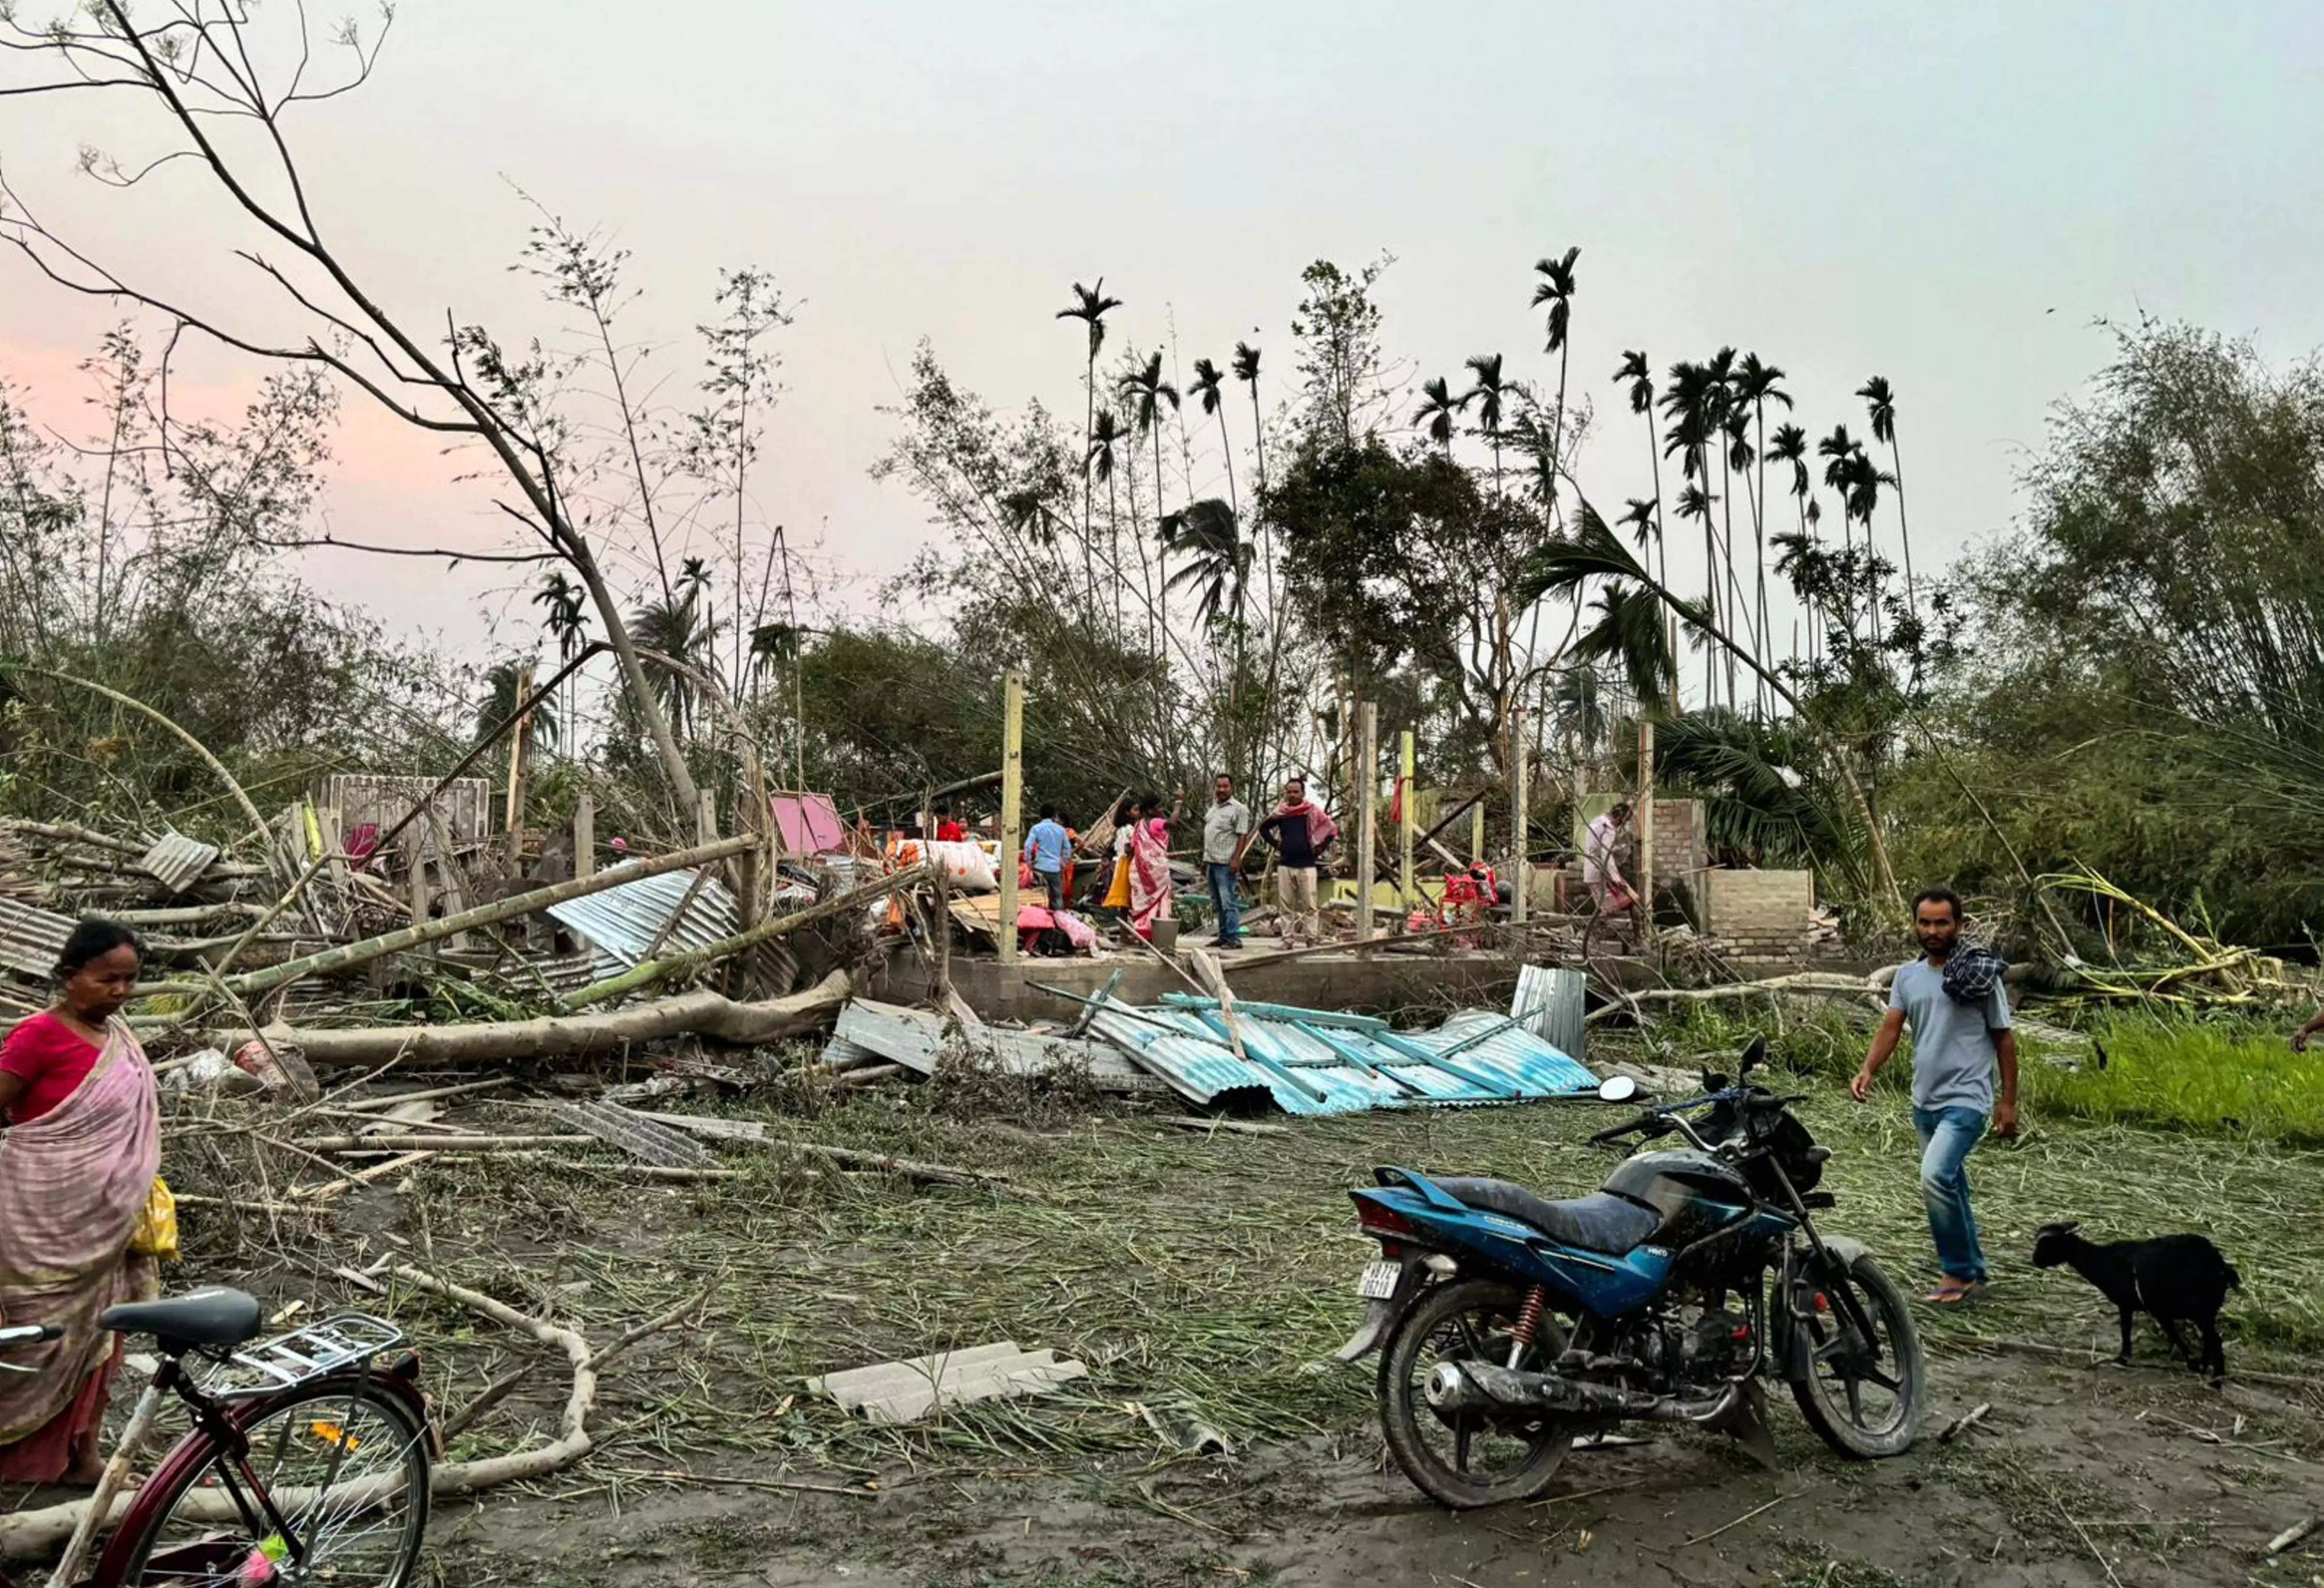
point(1226, 835)
point(1957, 1046)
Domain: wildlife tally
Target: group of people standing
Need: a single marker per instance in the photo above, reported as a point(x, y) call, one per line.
point(1138, 890)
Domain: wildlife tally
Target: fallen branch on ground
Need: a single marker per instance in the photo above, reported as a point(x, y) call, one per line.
point(704, 1014)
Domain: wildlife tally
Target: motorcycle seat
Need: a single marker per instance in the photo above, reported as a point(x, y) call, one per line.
point(1599, 1221)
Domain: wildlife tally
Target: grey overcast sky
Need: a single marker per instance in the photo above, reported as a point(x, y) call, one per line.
point(1946, 194)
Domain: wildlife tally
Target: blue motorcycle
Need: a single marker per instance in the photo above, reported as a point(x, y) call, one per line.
point(1510, 1326)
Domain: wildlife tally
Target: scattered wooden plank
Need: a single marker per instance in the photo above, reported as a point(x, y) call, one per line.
point(905, 1391)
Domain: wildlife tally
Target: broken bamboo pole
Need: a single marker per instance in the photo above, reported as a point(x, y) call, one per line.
point(348, 955)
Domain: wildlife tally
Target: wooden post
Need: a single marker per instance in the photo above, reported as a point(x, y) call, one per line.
point(584, 835)
point(1013, 797)
point(1367, 811)
point(1520, 779)
point(1647, 820)
point(705, 818)
point(1408, 805)
point(1477, 833)
point(520, 759)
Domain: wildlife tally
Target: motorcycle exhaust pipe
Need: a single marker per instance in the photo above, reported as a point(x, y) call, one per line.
point(1478, 1386)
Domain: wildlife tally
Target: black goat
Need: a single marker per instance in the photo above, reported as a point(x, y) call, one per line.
point(2174, 1278)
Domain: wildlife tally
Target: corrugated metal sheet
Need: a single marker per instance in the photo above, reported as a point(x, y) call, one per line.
point(177, 861)
point(1322, 1062)
point(1549, 1000)
point(622, 923)
point(30, 939)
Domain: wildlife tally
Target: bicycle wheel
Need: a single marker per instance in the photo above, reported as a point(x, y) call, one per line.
point(348, 1468)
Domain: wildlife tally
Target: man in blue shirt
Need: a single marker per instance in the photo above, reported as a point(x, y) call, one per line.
point(1047, 848)
point(1957, 1042)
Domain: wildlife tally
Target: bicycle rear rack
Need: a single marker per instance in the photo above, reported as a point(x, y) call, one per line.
point(290, 1359)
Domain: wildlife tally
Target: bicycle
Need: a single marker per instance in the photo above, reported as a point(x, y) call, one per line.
point(307, 1461)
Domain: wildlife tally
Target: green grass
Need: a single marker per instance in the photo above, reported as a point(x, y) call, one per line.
point(2228, 1079)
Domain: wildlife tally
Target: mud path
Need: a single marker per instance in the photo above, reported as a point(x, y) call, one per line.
point(2076, 1476)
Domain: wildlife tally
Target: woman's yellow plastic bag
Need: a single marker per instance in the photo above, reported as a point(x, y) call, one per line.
point(156, 1234)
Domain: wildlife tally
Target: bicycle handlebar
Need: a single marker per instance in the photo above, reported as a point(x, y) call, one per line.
point(26, 1333)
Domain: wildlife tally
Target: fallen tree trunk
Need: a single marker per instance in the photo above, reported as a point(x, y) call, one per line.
point(701, 1014)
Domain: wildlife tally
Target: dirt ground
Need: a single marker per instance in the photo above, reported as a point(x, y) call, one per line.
point(1204, 1277)
point(2076, 1475)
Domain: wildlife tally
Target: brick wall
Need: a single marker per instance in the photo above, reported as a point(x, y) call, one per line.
point(1758, 913)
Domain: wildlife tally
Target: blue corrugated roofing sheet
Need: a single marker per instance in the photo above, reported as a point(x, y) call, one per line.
point(1320, 1062)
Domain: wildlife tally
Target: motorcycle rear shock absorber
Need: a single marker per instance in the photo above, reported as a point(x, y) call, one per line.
point(1528, 1321)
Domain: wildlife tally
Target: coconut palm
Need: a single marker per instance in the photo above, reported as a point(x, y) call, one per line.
point(681, 627)
point(505, 687)
point(1881, 403)
point(1210, 538)
point(1207, 389)
point(1555, 289)
point(1436, 415)
point(1091, 306)
point(1488, 393)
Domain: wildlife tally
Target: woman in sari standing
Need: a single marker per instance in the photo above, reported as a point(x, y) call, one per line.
point(1150, 868)
point(77, 1166)
point(1126, 817)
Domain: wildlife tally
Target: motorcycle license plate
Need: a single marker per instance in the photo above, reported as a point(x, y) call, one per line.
point(1378, 1281)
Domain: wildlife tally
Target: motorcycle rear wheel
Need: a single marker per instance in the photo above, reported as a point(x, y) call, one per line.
point(1468, 1461)
point(1866, 1410)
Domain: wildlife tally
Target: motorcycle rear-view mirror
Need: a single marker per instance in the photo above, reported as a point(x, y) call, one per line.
point(1616, 1089)
point(1756, 1054)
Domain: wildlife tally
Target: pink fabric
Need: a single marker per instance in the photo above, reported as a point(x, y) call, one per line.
point(72, 1184)
point(1321, 828)
point(1149, 875)
point(809, 824)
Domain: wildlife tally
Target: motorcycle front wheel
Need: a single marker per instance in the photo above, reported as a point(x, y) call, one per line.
point(1465, 1460)
point(1863, 1398)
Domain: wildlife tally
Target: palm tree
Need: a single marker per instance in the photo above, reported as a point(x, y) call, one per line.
point(677, 626)
point(1688, 402)
point(505, 687)
point(568, 619)
point(1755, 384)
point(1208, 534)
point(1555, 289)
point(1205, 390)
point(1106, 437)
point(1882, 403)
point(1489, 394)
point(1091, 306)
point(1246, 370)
point(1790, 445)
point(1143, 387)
point(1436, 415)
point(1839, 451)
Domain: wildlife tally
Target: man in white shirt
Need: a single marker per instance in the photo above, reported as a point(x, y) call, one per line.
point(1600, 875)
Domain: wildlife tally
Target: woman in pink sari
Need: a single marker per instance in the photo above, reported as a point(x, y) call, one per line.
point(77, 1166)
point(1150, 868)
